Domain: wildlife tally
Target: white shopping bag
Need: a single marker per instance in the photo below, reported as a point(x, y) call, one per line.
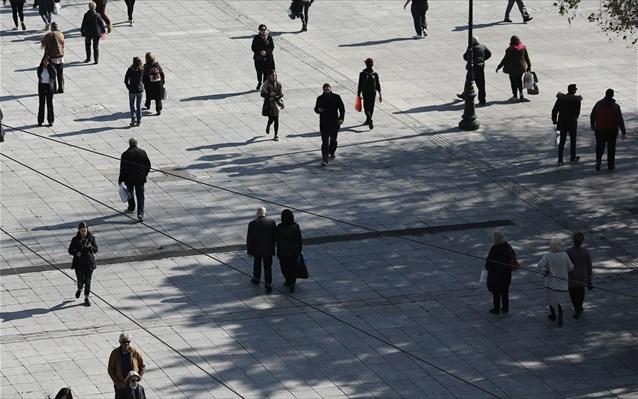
point(528, 80)
point(483, 278)
point(554, 137)
point(125, 195)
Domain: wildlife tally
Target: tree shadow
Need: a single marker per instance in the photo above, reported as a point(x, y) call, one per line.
point(28, 313)
point(461, 28)
point(377, 42)
point(221, 96)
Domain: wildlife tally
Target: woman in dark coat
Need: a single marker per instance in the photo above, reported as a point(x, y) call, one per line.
point(289, 245)
point(499, 273)
point(46, 88)
point(83, 249)
point(272, 93)
point(514, 63)
point(153, 80)
point(262, 48)
point(17, 10)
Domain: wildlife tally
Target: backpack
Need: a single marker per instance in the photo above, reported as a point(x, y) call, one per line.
point(369, 82)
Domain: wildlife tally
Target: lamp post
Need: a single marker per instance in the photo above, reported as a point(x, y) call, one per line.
point(469, 121)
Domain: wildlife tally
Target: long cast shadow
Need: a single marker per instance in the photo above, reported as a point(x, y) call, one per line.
point(376, 42)
point(461, 28)
point(90, 131)
point(105, 118)
point(437, 107)
point(25, 314)
point(223, 145)
point(108, 219)
point(220, 96)
point(9, 98)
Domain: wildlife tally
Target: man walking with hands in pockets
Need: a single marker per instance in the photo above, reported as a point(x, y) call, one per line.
point(331, 112)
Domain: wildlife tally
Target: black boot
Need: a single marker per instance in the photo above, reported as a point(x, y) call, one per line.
point(560, 316)
point(552, 315)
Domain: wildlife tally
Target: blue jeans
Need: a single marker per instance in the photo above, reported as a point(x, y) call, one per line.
point(135, 103)
point(139, 194)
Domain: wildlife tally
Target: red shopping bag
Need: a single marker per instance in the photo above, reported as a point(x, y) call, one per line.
point(357, 103)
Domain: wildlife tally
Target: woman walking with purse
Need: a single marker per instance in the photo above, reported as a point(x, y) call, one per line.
point(262, 48)
point(83, 249)
point(289, 245)
point(515, 63)
point(272, 93)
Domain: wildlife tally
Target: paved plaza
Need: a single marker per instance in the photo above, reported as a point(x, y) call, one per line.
point(395, 228)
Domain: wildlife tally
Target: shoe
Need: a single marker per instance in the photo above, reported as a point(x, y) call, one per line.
point(417, 37)
point(276, 138)
point(60, 91)
point(40, 124)
point(147, 105)
point(574, 159)
point(140, 218)
point(77, 294)
point(158, 113)
point(131, 23)
point(24, 27)
point(16, 28)
point(513, 99)
point(324, 163)
point(507, 19)
point(268, 129)
point(560, 163)
point(560, 317)
point(95, 62)
point(611, 167)
point(521, 98)
point(258, 86)
point(287, 285)
point(87, 302)
point(576, 315)
point(132, 122)
point(551, 317)
point(425, 32)
point(504, 310)
point(292, 289)
point(87, 60)
point(268, 289)
point(482, 102)
point(304, 28)
point(597, 163)
point(138, 123)
point(332, 156)
point(527, 19)
point(461, 96)
point(367, 122)
point(494, 311)
point(50, 124)
point(371, 125)
point(254, 281)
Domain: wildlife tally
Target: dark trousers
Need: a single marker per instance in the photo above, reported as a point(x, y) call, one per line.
point(84, 275)
point(274, 119)
point(501, 296)
point(267, 261)
point(45, 95)
point(479, 79)
point(45, 14)
point(96, 47)
point(368, 104)
point(120, 393)
point(100, 8)
point(17, 9)
point(158, 100)
point(130, 5)
point(521, 8)
point(328, 141)
point(572, 143)
point(262, 68)
point(418, 15)
point(304, 14)
point(577, 295)
point(289, 270)
point(516, 82)
point(59, 72)
point(139, 194)
point(606, 138)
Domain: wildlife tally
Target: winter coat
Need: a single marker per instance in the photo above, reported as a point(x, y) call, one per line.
point(152, 85)
point(566, 111)
point(368, 82)
point(46, 5)
point(582, 272)
point(333, 110)
point(267, 88)
point(133, 80)
point(261, 237)
point(289, 242)
point(137, 393)
point(497, 264)
point(267, 45)
point(606, 115)
point(52, 75)
point(516, 60)
point(92, 25)
point(556, 267)
point(480, 54)
point(87, 257)
point(115, 365)
point(134, 166)
point(53, 44)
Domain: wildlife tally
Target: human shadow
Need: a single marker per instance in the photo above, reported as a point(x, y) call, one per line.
point(275, 34)
point(377, 42)
point(9, 98)
point(242, 37)
point(452, 105)
point(223, 145)
point(305, 135)
point(97, 221)
point(105, 118)
point(90, 131)
point(27, 313)
point(220, 96)
point(461, 28)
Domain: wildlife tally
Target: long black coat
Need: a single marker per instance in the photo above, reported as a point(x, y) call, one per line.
point(289, 242)
point(86, 258)
point(566, 111)
point(266, 45)
point(92, 24)
point(134, 166)
point(333, 110)
point(261, 237)
point(499, 274)
point(153, 89)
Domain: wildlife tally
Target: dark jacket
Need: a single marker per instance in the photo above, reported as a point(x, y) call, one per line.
point(86, 258)
point(266, 45)
point(151, 84)
point(606, 115)
point(566, 111)
point(497, 264)
point(333, 110)
point(52, 76)
point(289, 242)
point(137, 393)
point(582, 272)
point(516, 60)
point(17, 1)
point(134, 166)
point(480, 54)
point(92, 25)
point(1, 128)
point(261, 237)
point(133, 80)
point(45, 5)
point(368, 82)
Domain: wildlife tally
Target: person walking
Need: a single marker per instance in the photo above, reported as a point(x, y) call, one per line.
point(134, 167)
point(46, 88)
point(153, 80)
point(133, 388)
point(93, 27)
point(418, 10)
point(53, 45)
point(480, 54)
point(581, 276)
point(331, 112)
point(1, 127)
point(556, 265)
point(17, 10)
point(301, 8)
point(124, 359)
point(499, 273)
point(262, 48)
point(272, 93)
point(289, 245)
point(606, 119)
point(130, 6)
point(514, 63)
point(83, 249)
point(135, 86)
point(101, 9)
point(260, 244)
point(565, 116)
point(369, 85)
point(521, 8)
point(45, 9)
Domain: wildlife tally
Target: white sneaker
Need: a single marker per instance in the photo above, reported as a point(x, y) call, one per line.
point(425, 32)
point(131, 23)
point(417, 37)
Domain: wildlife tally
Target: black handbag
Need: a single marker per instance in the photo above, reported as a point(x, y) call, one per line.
point(302, 269)
point(265, 109)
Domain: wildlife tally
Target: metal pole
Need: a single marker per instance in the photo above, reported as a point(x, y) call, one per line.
point(469, 121)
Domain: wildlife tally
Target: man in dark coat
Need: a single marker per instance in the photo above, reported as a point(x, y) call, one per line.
point(93, 27)
point(260, 244)
point(606, 119)
point(134, 168)
point(418, 10)
point(369, 85)
point(565, 116)
point(480, 54)
point(331, 113)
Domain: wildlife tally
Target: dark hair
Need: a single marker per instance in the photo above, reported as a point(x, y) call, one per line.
point(150, 57)
point(64, 392)
point(270, 72)
point(578, 238)
point(45, 58)
point(83, 224)
point(514, 40)
point(609, 93)
point(262, 26)
point(287, 217)
point(137, 62)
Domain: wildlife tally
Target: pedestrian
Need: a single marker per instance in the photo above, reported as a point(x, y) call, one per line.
point(581, 276)
point(133, 388)
point(521, 8)
point(153, 80)
point(272, 93)
point(369, 85)
point(46, 88)
point(17, 10)
point(133, 82)
point(93, 27)
point(289, 245)
point(606, 119)
point(480, 54)
point(556, 265)
point(130, 6)
point(101, 9)
point(499, 273)
point(1, 127)
point(331, 115)
point(514, 63)
point(124, 359)
point(134, 167)
point(302, 7)
point(418, 9)
point(53, 45)
point(83, 249)
point(64, 393)
point(45, 9)
point(262, 48)
point(565, 116)
point(260, 244)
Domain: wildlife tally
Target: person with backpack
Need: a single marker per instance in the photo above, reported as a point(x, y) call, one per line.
point(369, 85)
point(83, 249)
point(153, 80)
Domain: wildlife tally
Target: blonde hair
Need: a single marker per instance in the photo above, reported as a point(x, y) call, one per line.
point(556, 244)
point(92, 5)
point(499, 238)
